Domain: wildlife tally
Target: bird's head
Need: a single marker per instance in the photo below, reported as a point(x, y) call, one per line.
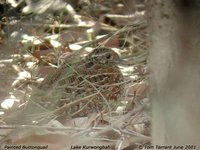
point(104, 56)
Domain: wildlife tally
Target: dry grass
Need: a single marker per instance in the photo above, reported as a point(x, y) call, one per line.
point(38, 51)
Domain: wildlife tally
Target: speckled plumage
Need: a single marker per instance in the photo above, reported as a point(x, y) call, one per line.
point(94, 82)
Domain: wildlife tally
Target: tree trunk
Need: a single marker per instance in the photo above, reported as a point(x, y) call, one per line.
point(175, 71)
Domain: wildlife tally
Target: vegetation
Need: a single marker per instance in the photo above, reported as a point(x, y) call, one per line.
point(37, 38)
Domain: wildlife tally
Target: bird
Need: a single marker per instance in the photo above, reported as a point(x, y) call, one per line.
point(82, 86)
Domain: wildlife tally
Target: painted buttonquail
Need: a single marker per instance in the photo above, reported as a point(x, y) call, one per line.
point(78, 88)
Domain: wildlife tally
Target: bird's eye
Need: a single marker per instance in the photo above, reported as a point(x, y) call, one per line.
point(109, 56)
